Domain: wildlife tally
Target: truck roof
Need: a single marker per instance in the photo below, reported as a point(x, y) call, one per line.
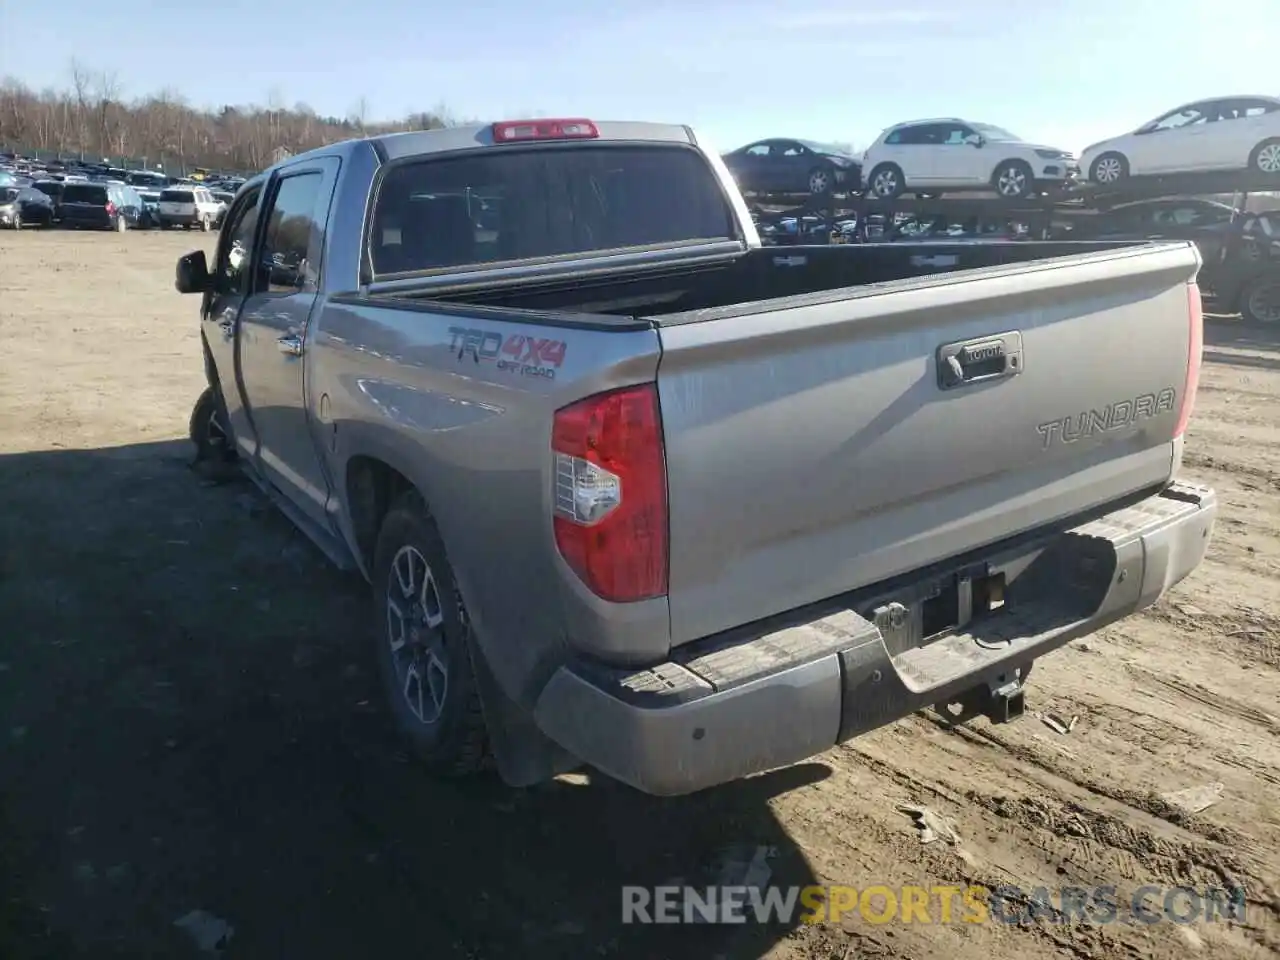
point(418, 142)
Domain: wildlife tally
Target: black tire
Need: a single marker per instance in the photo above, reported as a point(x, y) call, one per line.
point(449, 737)
point(122, 224)
point(886, 182)
point(1113, 166)
point(17, 221)
point(209, 429)
point(1265, 158)
point(1260, 301)
point(822, 181)
point(1014, 180)
point(204, 224)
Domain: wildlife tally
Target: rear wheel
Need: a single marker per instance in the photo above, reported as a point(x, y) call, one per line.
point(1109, 169)
point(1260, 301)
point(423, 643)
point(205, 223)
point(121, 223)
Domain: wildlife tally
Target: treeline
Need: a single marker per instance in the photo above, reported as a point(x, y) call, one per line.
point(91, 117)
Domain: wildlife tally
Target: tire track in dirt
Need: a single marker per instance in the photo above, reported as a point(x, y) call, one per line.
point(1218, 702)
point(1074, 844)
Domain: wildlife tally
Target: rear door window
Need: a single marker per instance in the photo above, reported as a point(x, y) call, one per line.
point(176, 196)
point(507, 204)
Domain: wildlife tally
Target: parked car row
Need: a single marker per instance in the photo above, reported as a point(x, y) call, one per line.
point(947, 154)
point(76, 204)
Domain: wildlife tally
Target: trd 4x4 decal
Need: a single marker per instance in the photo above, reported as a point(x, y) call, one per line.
point(519, 354)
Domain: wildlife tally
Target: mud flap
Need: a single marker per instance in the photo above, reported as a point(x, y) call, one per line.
point(522, 753)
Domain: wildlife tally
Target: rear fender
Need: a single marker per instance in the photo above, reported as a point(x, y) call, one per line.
point(524, 755)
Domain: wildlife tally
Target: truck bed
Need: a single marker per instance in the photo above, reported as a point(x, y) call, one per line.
point(682, 293)
point(813, 443)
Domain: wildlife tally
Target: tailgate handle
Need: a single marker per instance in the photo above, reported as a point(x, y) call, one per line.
point(982, 360)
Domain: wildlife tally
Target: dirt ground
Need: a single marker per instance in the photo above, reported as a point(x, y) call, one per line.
point(189, 717)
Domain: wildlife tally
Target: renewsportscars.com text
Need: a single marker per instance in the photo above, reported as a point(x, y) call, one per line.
point(879, 904)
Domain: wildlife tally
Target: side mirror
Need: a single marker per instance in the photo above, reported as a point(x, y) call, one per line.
point(977, 140)
point(192, 274)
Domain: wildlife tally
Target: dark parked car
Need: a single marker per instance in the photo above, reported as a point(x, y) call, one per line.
point(53, 190)
point(101, 206)
point(1206, 223)
point(793, 166)
point(24, 206)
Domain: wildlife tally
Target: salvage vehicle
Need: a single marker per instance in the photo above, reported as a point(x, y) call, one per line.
point(1222, 133)
point(952, 154)
point(634, 491)
point(793, 166)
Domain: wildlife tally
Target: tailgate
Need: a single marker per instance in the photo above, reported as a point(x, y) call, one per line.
point(816, 448)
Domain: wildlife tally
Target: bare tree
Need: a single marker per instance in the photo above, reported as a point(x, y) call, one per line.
point(112, 135)
point(80, 81)
point(360, 114)
point(92, 117)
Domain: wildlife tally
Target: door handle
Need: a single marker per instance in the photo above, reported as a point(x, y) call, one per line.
point(980, 361)
point(290, 345)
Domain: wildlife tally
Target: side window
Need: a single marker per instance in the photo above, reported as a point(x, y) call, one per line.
point(921, 135)
point(232, 273)
point(792, 150)
point(913, 136)
point(292, 232)
point(1181, 118)
point(894, 138)
point(1245, 108)
point(758, 150)
point(954, 135)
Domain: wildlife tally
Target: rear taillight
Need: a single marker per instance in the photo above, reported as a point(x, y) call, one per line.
point(111, 209)
point(610, 510)
point(1195, 355)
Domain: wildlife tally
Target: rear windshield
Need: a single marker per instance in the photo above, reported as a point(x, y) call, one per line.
point(502, 204)
point(84, 193)
point(177, 196)
point(8, 194)
point(44, 186)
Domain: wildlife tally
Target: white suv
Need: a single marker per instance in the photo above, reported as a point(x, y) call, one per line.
point(933, 156)
point(188, 207)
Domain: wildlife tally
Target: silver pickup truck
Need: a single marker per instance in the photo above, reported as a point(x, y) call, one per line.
point(634, 491)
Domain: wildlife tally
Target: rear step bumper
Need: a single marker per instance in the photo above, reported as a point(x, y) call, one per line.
point(750, 701)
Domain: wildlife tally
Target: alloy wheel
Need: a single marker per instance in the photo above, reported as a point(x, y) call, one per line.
point(415, 633)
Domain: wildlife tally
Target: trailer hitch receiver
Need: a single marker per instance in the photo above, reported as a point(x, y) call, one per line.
point(1000, 700)
point(1006, 703)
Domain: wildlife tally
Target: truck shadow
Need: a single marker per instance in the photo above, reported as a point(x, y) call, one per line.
point(193, 722)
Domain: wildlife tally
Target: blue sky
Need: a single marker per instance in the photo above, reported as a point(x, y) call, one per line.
point(1067, 73)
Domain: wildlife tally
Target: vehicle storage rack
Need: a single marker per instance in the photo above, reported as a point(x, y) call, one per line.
point(1039, 214)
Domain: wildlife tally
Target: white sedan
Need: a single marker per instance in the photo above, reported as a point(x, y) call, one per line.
point(1227, 133)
